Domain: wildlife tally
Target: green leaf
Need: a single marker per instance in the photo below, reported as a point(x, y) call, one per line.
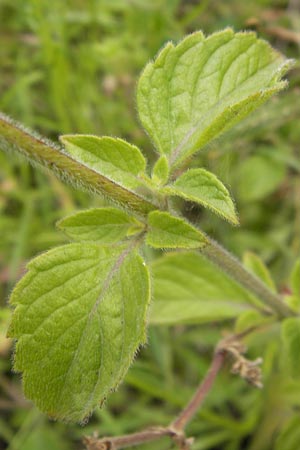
point(100, 225)
point(257, 266)
point(189, 312)
point(15, 138)
point(112, 157)
point(166, 231)
point(189, 289)
point(79, 320)
point(160, 173)
point(201, 186)
point(291, 342)
point(195, 90)
point(295, 278)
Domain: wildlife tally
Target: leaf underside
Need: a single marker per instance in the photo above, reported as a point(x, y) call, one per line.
point(195, 90)
point(79, 320)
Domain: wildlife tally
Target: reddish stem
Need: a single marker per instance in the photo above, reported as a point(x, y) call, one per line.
point(189, 411)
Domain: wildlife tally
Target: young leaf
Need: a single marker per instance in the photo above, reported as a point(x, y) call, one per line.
point(291, 342)
point(79, 320)
point(160, 173)
point(195, 90)
point(114, 158)
point(189, 289)
point(201, 186)
point(257, 266)
point(100, 225)
point(14, 137)
point(166, 231)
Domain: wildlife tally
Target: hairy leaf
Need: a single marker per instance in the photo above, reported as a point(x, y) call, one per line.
point(291, 341)
point(14, 137)
point(189, 289)
point(201, 186)
point(160, 173)
point(100, 225)
point(114, 158)
point(166, 231)
point(79, 320)
point(195, 90)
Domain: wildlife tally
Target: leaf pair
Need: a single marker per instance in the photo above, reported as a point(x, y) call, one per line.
point(186, 97)
point(107, 226)
point(125, 165)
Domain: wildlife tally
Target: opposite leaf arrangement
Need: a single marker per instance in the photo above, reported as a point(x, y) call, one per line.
point(81, 310)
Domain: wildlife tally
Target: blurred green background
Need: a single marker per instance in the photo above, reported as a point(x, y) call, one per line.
point(71, 67)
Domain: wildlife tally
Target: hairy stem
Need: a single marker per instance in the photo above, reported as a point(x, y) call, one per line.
point(14, 137)
point(235, 269)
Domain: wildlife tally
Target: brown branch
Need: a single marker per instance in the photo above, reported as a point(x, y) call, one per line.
point(176, 429)
point(248, 370)
point(128, 440)
point(192, 407)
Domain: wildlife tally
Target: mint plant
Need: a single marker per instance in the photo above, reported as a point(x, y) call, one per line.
point(82, 309)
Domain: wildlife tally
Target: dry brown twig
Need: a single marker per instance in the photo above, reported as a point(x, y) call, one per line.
point(229, 347)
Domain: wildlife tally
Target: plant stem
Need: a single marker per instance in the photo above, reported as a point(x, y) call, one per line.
point(230, 346)
point(234, 268)
point(189, 411)
point(14, 137)
point(127, 440)
point(176, 429)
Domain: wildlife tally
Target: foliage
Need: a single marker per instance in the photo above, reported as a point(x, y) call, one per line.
point(263, 229)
